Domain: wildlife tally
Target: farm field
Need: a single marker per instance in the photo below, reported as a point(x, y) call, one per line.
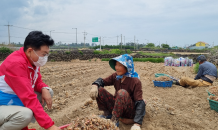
point(174, 108)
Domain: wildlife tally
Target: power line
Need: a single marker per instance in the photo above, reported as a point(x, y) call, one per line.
point(17, 37)
point(111, 37)
point(64, 41)
point(24, 28)
point(92, 34)
point(100, 35)
point(64, 32)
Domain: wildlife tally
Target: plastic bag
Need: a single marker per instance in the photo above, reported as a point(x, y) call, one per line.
point(186, 61)
point(176, 62)
point(190, 62)
point(182, 61)
point(168, 61)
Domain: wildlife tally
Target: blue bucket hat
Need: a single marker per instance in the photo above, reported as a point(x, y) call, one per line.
point(127, 61)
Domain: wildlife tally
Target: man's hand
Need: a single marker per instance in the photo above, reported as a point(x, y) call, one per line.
point(54, 128)
point(94, 92)
point(46, 97)
point(136, 127)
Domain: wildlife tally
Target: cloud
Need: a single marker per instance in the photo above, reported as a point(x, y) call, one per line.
point(177, 22)
point(11, 10)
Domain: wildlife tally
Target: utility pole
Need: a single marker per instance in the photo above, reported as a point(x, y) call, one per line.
point(117, 40)
point(138, 43)
point(103, 42)
point(124, 42)
point(121, 41)
point(51, 31)
point(134, 42)
point(76, 34)
point(8, 32)
point(85, 33)
point(100, 43)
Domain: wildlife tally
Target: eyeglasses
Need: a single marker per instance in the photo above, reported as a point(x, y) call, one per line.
point(46, 55)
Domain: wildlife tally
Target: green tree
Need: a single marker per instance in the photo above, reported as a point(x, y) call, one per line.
point(165, 46)
point(150, 45)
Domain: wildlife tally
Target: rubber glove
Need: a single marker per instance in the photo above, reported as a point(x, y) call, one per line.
point(135, 127)
point(94, 92)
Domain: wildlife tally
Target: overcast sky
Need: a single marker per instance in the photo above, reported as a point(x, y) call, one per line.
point(176, 22)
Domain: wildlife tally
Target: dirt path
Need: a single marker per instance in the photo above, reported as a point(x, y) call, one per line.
point(174, 108)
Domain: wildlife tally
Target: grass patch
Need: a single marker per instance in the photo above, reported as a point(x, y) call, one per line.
point(105, 59)
point(196, 67)
point(157, 54)
point(113, 51)
point(153, 60)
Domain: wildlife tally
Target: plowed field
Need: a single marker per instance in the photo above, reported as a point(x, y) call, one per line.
point(174, 108)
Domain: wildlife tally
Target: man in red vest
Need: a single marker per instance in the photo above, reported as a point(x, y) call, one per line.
point(22, 91)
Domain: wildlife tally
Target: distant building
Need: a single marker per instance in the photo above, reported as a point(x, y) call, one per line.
point(199, 45)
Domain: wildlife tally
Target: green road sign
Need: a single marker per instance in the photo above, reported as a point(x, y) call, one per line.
point(95, 39)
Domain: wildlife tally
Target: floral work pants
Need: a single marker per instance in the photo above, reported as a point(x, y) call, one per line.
point(120, 105)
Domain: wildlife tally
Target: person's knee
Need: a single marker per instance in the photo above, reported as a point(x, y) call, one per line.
point(26, 115)
point(122, 93)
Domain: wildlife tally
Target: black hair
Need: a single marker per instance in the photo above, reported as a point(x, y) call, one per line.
point(36, 39)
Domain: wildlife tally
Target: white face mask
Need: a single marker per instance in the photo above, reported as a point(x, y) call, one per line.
point(41, 61)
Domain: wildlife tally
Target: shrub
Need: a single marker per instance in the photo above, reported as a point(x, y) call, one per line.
point(128, 51)
point(112, 51)
point(81, 52)
point(5, 50)
point(67, 52)
point(97, 52)
point(196, 67)
point(105, 52)
point(117, 51)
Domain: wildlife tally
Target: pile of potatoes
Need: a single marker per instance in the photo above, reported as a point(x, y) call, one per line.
point(92, 122)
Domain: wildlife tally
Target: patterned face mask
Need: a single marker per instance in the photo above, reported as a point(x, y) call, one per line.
point(127, 61)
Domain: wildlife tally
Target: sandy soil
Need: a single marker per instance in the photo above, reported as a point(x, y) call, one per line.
point(174, 108)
